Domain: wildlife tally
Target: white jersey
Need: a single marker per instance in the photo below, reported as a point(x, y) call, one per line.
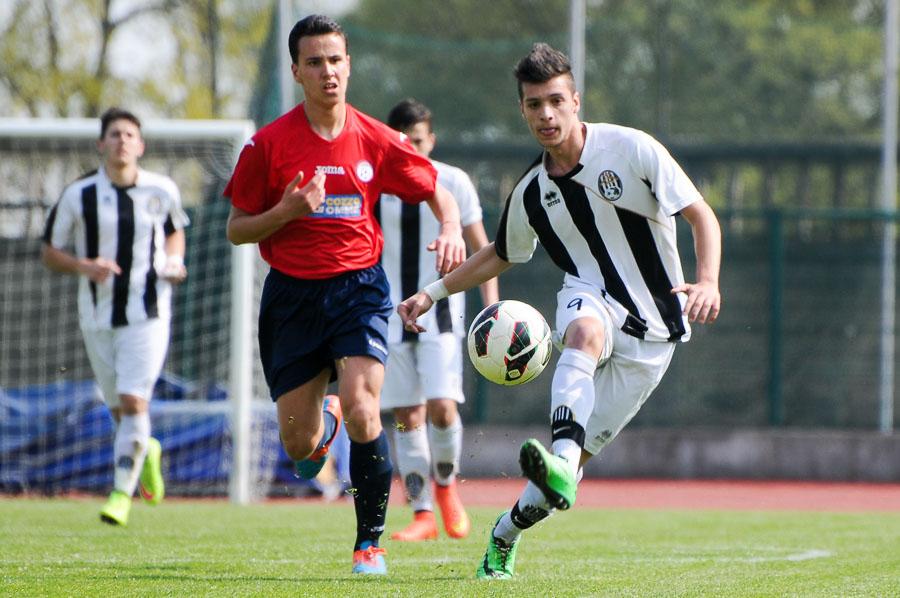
point(610, 223)
point(409, 266)
point(127, 225)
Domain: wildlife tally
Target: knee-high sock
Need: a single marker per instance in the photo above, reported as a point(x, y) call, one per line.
point(446, 447)
point(370, 474)
point(572, 401)
point(532, 507)
point(414, 463)
point(129, 450)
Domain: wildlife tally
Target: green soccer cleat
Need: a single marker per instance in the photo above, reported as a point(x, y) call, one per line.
point(549, 473)
point(499, 559)
point(151, 486)
point(115, 511)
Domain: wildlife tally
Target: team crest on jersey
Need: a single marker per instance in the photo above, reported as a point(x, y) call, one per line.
point(610, 185)
point(364, 171)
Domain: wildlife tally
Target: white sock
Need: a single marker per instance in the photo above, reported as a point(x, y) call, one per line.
point(414, 465)
point(532, 507)
point(571, 403)
point(129, 450)
point(446, 448)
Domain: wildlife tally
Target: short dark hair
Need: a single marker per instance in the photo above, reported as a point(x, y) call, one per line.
point(542, 64)
point(114, 114)
point(313, 25)
point(408, 113)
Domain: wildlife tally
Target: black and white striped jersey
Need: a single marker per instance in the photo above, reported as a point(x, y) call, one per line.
point(128, 225)
point(409, 266)
point(610, 223)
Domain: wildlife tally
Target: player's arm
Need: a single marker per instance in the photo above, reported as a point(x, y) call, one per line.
point(481, 266)
point(476, 238)
point(174, 270)
point(97, 269)
point(703, 298)
point(449, 247)
point(296, 202)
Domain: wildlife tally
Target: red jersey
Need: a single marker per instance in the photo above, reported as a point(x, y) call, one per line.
point(367, 159)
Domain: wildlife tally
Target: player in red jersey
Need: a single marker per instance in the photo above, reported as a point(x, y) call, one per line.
point(304, 189)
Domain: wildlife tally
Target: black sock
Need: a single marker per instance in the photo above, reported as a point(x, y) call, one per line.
point(370, 474)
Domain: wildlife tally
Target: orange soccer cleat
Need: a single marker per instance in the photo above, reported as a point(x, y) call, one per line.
point(456, 521)
point(423, 527)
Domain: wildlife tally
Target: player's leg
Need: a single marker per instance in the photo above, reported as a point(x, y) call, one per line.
point(587, 340)
point(445, 438)
point(360, 380)
point(293, 342)
point(440, 369)
point(553, 476)
point(402, 395)
point(359, 306)
point(307, 425)
point(414, 464)
point(139, 351)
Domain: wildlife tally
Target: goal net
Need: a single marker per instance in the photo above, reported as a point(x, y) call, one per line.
point(211, 409)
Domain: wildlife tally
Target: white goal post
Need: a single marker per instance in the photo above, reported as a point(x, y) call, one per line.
point(38, 346)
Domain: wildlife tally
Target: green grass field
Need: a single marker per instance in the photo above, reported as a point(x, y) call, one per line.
point(58, 547)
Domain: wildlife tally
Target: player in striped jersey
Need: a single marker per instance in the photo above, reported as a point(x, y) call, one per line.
point(423, 378)
point(602, 201)
point(120, 229)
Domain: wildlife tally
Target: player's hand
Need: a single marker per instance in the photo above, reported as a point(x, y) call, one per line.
point(298, 201)
point(412, 308)
point(98, 269)
point(703, 301)
point(174, 270)
point(449, 248)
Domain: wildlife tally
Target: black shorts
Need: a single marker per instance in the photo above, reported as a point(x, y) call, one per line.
point(305, 325)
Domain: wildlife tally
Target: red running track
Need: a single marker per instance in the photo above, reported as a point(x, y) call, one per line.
point(695, 494)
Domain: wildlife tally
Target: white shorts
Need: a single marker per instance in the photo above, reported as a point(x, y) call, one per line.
point(628, 370)
point(430, 368)
point(128, 360)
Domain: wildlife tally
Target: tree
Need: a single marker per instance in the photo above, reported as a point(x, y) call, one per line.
point(71, 57)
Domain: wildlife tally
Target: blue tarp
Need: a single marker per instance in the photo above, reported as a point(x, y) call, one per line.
point(58, 438)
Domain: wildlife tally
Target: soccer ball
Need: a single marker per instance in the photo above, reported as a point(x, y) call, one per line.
point(509, 343)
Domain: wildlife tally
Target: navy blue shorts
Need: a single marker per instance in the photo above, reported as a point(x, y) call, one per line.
point(305, 325)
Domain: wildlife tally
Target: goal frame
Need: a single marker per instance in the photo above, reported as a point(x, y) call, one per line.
point(238, 132)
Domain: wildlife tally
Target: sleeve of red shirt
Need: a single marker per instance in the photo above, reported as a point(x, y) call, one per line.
point(406, 173)
point(248, 185)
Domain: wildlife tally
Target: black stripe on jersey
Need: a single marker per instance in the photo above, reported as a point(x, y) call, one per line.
point(124, 257)
point(48, 228)
point(410, 227)
point(582, 215)
point(168, 227)
point(540, 222)
point(444, 321)
point(500, 237)
point(91, 229)
point(150, 304)
point(649, 262)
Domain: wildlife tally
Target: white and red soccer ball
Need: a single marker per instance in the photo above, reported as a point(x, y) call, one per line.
point(509, 343)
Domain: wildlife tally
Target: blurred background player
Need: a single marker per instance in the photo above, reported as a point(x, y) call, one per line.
point(127, 228)
point(423, 378)
point(602, 201)
point(305, 189)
